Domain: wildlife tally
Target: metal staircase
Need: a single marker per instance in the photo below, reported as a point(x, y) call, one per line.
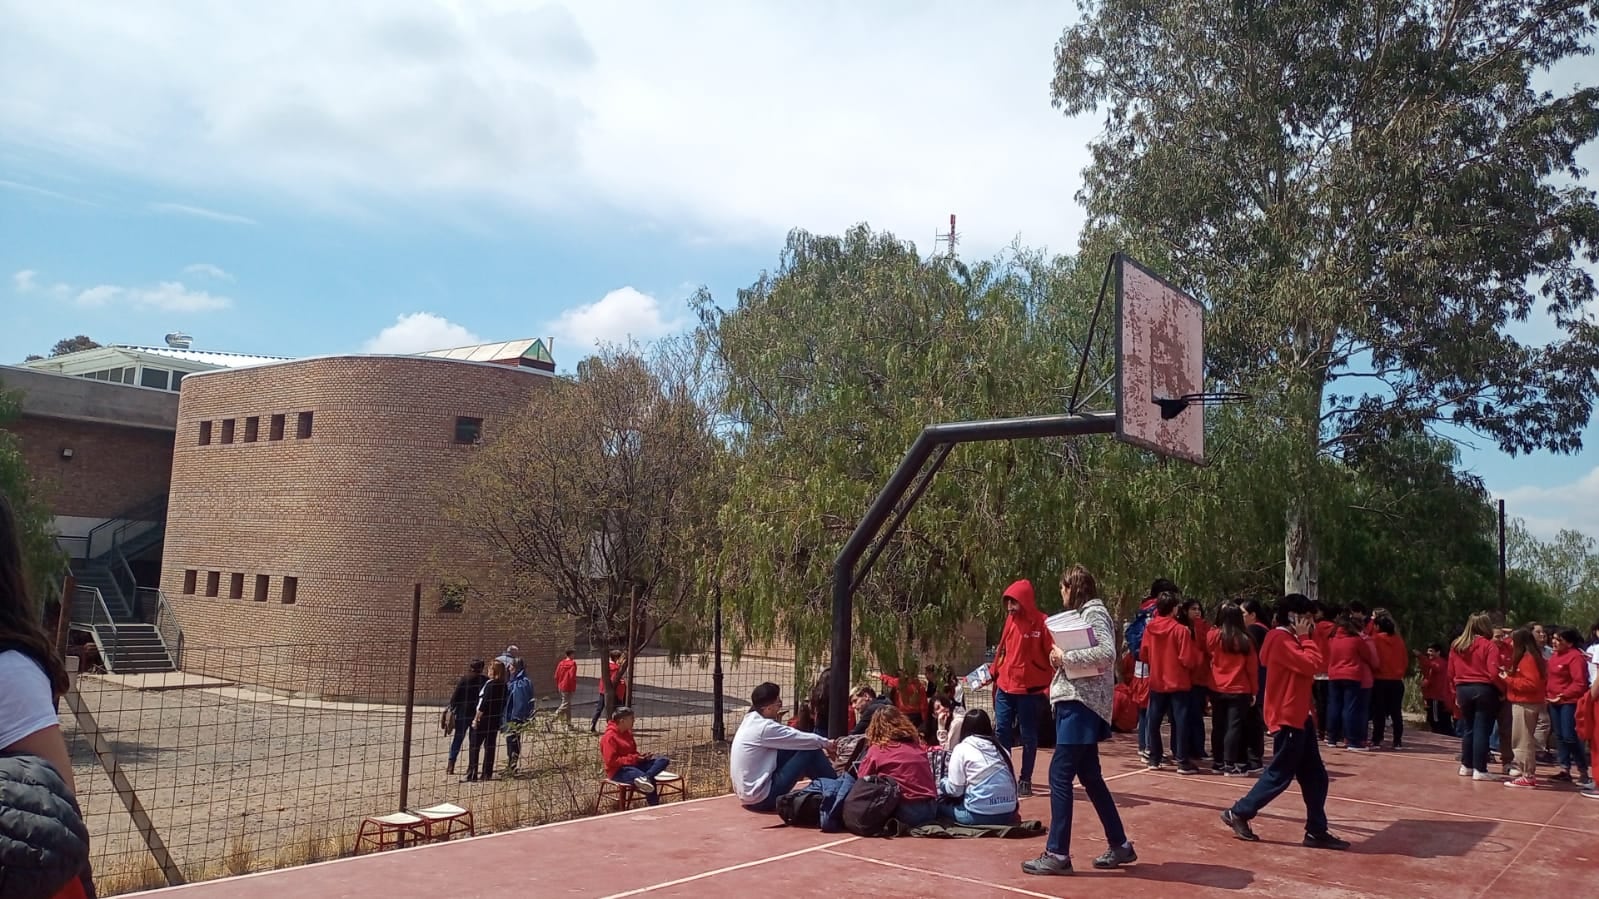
point(134, 626)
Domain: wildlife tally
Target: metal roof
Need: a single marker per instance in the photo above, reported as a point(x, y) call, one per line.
point(204, 357)
point(528, 348)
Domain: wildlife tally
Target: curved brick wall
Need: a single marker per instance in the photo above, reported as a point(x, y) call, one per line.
point(351, 513)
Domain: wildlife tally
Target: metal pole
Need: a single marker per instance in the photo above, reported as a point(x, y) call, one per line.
point(718, 725)
point(882, 507)
point(410, 699)
point(1503, 585)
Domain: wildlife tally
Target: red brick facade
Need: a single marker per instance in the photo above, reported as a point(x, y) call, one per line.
point(307, 497)
point(113, 468)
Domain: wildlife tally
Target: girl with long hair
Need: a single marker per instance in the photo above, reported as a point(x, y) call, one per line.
point(894, 749)
point(486, 723)
point(1388, 693)
point(1351, 667)
point(1235, 674)
point(1526, 688)
point(980, 787)
point(1192, 614)
point(1473, 670)
point(1567, 681)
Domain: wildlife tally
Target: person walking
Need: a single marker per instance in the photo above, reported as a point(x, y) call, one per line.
point(566, 685)
point(1022, 675)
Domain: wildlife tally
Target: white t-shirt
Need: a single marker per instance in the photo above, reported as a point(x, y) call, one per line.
point(26, 706)
point(753, 760)
point(1593, 663)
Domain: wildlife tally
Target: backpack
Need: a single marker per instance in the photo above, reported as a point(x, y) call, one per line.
point(870, 805)
point(1135, 630)
point(800, 808)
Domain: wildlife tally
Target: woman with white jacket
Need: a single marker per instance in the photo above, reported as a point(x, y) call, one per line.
point(1082, 705)
point(980, 787)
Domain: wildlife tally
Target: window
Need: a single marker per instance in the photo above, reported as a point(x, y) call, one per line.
point(263, 582)
point(291, 590)
point(303, 429)
point(188, 581)
point(468, 430)
point(452, 597)
point(154, 377)
point(176, 377)
point(227, 430)
point(277, 428)
point(205, 433)
point(127, 375)
point(252, 428)
point(236, 586)
point(213, 580)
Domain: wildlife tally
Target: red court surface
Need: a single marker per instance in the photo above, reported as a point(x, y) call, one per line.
point(1417, 829)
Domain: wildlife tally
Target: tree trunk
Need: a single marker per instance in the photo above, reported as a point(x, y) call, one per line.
point(1301, 561)
point(1300, 568)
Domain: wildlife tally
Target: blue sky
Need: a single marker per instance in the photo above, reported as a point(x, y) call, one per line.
point(407, 175)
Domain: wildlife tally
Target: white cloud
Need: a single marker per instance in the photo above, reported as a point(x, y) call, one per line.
point(200, 212)
point(1546, 510)
point(207, 270)
point(24, 280)
point(418, 333)
point(167, 296)
point(614, 318)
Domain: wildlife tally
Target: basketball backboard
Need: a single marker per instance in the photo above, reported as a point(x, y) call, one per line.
point(1160, 356)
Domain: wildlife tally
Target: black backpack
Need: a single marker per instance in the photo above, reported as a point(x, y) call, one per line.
point(870, 805)
point(800, 808)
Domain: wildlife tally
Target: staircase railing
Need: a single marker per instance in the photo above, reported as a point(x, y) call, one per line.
point(108, 534)
point(153, 602)
point(88, 612)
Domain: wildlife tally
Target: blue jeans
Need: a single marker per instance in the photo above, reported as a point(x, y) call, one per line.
point(1295, 756)
point(1079, 762)
point(1024, 709)
point(1479, 712)
point(1143, 729)
point(917, 813)
point(954, 810)
point(1347, 709)
point(792, 765)
point(462, 725)
point(1176, 705)
point(628, 773)
point(1573, 754)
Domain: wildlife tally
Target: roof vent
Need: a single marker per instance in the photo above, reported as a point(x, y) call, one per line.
point(179, 340)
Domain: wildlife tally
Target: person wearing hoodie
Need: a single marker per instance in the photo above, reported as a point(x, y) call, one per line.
point(1168, 648)
point(1021, 676)
point(519, 710)
point(624, 763)
point(566, 685)
point(1135, 639)
point(1082, 707)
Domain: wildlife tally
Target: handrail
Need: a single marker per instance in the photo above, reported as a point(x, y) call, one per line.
point(150, 511)
point(166, 623)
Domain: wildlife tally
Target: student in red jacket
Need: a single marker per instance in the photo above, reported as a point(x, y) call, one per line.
point(1021, 675)
point(1474, 672)
point(1234, 675)
point(1291, 661)
point(617, 682)
point(566, 685)
point(1388, 695)
point(1568, 681)
point(1526, 690)
point(1169, 650)
point(1326, 613)
point(1351, 659)
point(1192, 613)
point(1436, 691)
point(624, 763)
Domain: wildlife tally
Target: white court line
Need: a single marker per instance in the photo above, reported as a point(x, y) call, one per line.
point(1502, 871)
point(926, 872)
point(730, 868)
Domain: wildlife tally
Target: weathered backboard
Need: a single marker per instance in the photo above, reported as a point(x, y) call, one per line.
point(1160, 355)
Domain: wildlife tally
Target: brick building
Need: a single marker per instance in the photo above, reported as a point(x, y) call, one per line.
point(307, 499)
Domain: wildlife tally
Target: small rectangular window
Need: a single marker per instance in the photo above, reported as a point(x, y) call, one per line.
point(277, 428)
point(291, 590)
point(252, 428)
point(303, 429)
point(154, 377)
point(213, 580)
point(263, 582)
point(188, 581)
point(468, 430)
point(176, 377)
point(205, 433)
point(127, 375)
point(235, 586)
point(227, 430)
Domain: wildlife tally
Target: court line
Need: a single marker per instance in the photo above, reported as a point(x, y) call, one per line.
point(729, 869)
point(988, 884)
point(1523, 851)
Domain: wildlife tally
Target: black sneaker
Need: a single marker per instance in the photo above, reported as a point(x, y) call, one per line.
point(1188, 769)
point(1047, 864)
point(1024, 788)
point(1325, 840)
point(1240, 827)
point(1236, 771)
point(1116, 856)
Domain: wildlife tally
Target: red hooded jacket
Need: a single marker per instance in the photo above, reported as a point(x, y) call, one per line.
point(1201, 672)
point(1232, 673)
point(1021, 664)
point(1351, 658)
point(1568, 675)
point(1393, 658)
point(1170, 652)
point(566, 676)
point(1291, 666)
point(618, 750)
point(1435, 684)
point(1525, 683)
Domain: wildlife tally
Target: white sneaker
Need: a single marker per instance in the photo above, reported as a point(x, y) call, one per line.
point(1464, 771)
point(644, 785)
point(1513, 773)
point(1483, 775)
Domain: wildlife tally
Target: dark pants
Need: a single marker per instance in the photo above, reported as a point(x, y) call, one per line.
point(513, 746)
point(463, 723)
point(651, 769)
point(1079, 763)
point(1563, 721)
point(1175, 705)
point(1230, 728)
point(482, 743)
point(792, 766)
point(1479, 711)
point(1388, 707)
point(1439, 721)
point(1346, 710)
point(599, 709)
point(1197, 697)
point(1019, 711)
point(1295, 757)
point(1318, 696)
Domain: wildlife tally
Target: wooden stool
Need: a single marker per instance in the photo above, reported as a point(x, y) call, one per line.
point(445, 820)
point(389, 831)
point(625, 794)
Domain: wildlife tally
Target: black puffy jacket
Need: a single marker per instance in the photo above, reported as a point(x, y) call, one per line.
point(43, 841)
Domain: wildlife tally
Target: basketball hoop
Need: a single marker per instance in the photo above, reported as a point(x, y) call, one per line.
point(1171, 408)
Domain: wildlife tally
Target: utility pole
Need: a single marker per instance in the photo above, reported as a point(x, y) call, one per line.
point(950, 238)
point(1503, 585)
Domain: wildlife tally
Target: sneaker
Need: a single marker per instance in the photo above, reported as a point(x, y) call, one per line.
point(1188, 769)
point(1483, 775)
point(1024, 788)
point(1466, 772)
point(1253, 768)
point(1523, 782)
point(1325, 840)
point(1048, 864)
point(1235, 771)
point(1240, 826)
point(1513, 773)
point(1585, 783)
point(1144, 754)
point(1116, 856)
point(1563, 776)
point(1397, 748)
point(643, 785)
point(1358, 748)
point(1154, 766)
point(1589, 793)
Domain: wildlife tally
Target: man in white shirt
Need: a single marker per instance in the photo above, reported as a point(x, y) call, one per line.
point(769, 757)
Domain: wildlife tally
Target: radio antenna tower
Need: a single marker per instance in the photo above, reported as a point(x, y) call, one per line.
point(950, 238)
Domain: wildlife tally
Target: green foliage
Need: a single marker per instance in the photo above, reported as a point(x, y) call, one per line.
point(43, 557)
point(73, 345)
point(1563, 572)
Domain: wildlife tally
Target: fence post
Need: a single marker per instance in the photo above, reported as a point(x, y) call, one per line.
point(410, 700)
point(718, 725)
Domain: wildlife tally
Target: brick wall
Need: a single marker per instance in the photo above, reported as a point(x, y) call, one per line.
point(113, 468)
point(353, 513)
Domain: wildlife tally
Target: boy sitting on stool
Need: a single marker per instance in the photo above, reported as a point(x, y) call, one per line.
point(624, 763)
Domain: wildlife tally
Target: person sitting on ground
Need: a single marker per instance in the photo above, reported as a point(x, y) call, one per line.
point(865, 703)
point(803, 719)
point(946, 719)
point(895, 750)
point(769, 757)
point(980, 787)
point(624, 763)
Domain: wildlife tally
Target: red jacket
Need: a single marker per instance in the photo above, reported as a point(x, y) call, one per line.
point(566, 676)
point(911, 696)
point(618, 750)
point(1435, 684)
point(1393, 657)
point(1479, 664)
point(1291, 666)
point(1232, 672)
point(1322, 633)
point(1568, 675)
point(1526, 683)
point(1170, 652)
point(1021, 664)
point(1351, 658)
point(1201, 672)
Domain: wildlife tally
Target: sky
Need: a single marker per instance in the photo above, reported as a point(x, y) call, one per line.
point(398, 175)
